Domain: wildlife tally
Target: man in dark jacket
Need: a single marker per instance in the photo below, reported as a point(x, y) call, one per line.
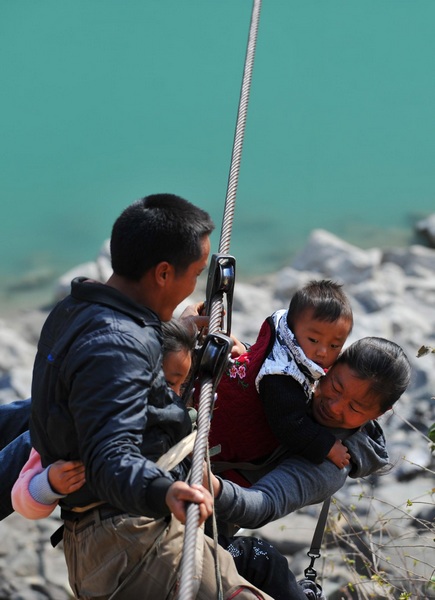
point(99, 395)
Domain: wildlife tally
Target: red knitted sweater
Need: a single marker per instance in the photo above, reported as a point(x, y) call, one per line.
point(238, 422)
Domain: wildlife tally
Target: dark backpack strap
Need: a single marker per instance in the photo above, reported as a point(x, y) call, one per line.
point(57, 536)
point(314, 551)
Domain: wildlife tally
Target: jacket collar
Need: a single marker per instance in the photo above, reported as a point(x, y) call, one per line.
point(87, 290)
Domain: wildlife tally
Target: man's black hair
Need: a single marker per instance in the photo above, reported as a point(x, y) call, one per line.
point(157, 228)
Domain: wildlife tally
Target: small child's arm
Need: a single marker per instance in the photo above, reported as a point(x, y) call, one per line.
point(238, 348)
point(22, 500)
point(37, 491)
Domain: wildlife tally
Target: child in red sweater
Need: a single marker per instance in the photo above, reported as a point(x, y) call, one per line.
point(263, 399)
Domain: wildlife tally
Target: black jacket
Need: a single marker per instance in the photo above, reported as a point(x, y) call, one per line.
point(99, 395)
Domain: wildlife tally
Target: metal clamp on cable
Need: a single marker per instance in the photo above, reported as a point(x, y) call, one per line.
point(221, 280)
point(214, 357)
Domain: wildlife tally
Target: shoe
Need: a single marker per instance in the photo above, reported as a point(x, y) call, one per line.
point(311, 590)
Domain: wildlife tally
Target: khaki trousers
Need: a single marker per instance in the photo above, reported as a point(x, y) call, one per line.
point(135, 558)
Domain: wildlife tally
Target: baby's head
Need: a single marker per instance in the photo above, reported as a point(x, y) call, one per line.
point(321, 319)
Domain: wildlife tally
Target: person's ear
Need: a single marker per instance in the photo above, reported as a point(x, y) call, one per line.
point(163, 271)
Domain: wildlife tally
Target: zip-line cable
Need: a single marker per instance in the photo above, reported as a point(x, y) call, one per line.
point(233, 178)
point(218, 349)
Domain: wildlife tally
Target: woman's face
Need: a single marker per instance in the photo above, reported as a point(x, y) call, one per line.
point(343, 400)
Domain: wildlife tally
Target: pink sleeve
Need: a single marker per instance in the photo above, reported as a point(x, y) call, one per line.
point(22, 501)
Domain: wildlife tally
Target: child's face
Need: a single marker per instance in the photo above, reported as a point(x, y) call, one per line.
point(321, 341)
point(341, 399)
point(176, 367)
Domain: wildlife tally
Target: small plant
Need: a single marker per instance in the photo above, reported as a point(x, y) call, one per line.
point(431, 436)
point(423, 351)
point(386, 558)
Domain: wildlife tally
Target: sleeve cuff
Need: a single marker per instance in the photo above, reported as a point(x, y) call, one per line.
point(156, 496)
point(40, 489)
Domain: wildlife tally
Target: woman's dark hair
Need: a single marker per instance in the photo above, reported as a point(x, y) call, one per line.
point(382, 362)
point(325, 298)
point(179, 335)
point(161, 227)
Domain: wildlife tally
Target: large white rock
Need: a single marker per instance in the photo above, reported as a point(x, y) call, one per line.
point(100, 269)
point(14, 350)
point(328, 254)
point(427, 228)
point(386, 287)
point(414, 260)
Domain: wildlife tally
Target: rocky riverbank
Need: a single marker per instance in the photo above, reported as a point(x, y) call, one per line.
point(380, 534)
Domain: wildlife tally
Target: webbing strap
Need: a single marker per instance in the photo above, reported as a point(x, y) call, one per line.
point(314, 551)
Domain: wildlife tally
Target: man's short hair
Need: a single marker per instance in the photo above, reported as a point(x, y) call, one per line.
point(157, 228)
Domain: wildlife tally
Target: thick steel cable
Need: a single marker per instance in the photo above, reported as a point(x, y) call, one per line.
point(233, 179)
point(186, 589)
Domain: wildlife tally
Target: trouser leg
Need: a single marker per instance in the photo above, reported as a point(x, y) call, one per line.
point(234, 584)
point(264, 566)
point(126, 558)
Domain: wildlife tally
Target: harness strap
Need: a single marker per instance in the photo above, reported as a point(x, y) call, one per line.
point(314, 551)
point(177, 453)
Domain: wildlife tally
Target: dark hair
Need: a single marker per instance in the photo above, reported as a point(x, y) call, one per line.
point(179, 335)
point(161, 227)
point(327, 300)
point(382, 362)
